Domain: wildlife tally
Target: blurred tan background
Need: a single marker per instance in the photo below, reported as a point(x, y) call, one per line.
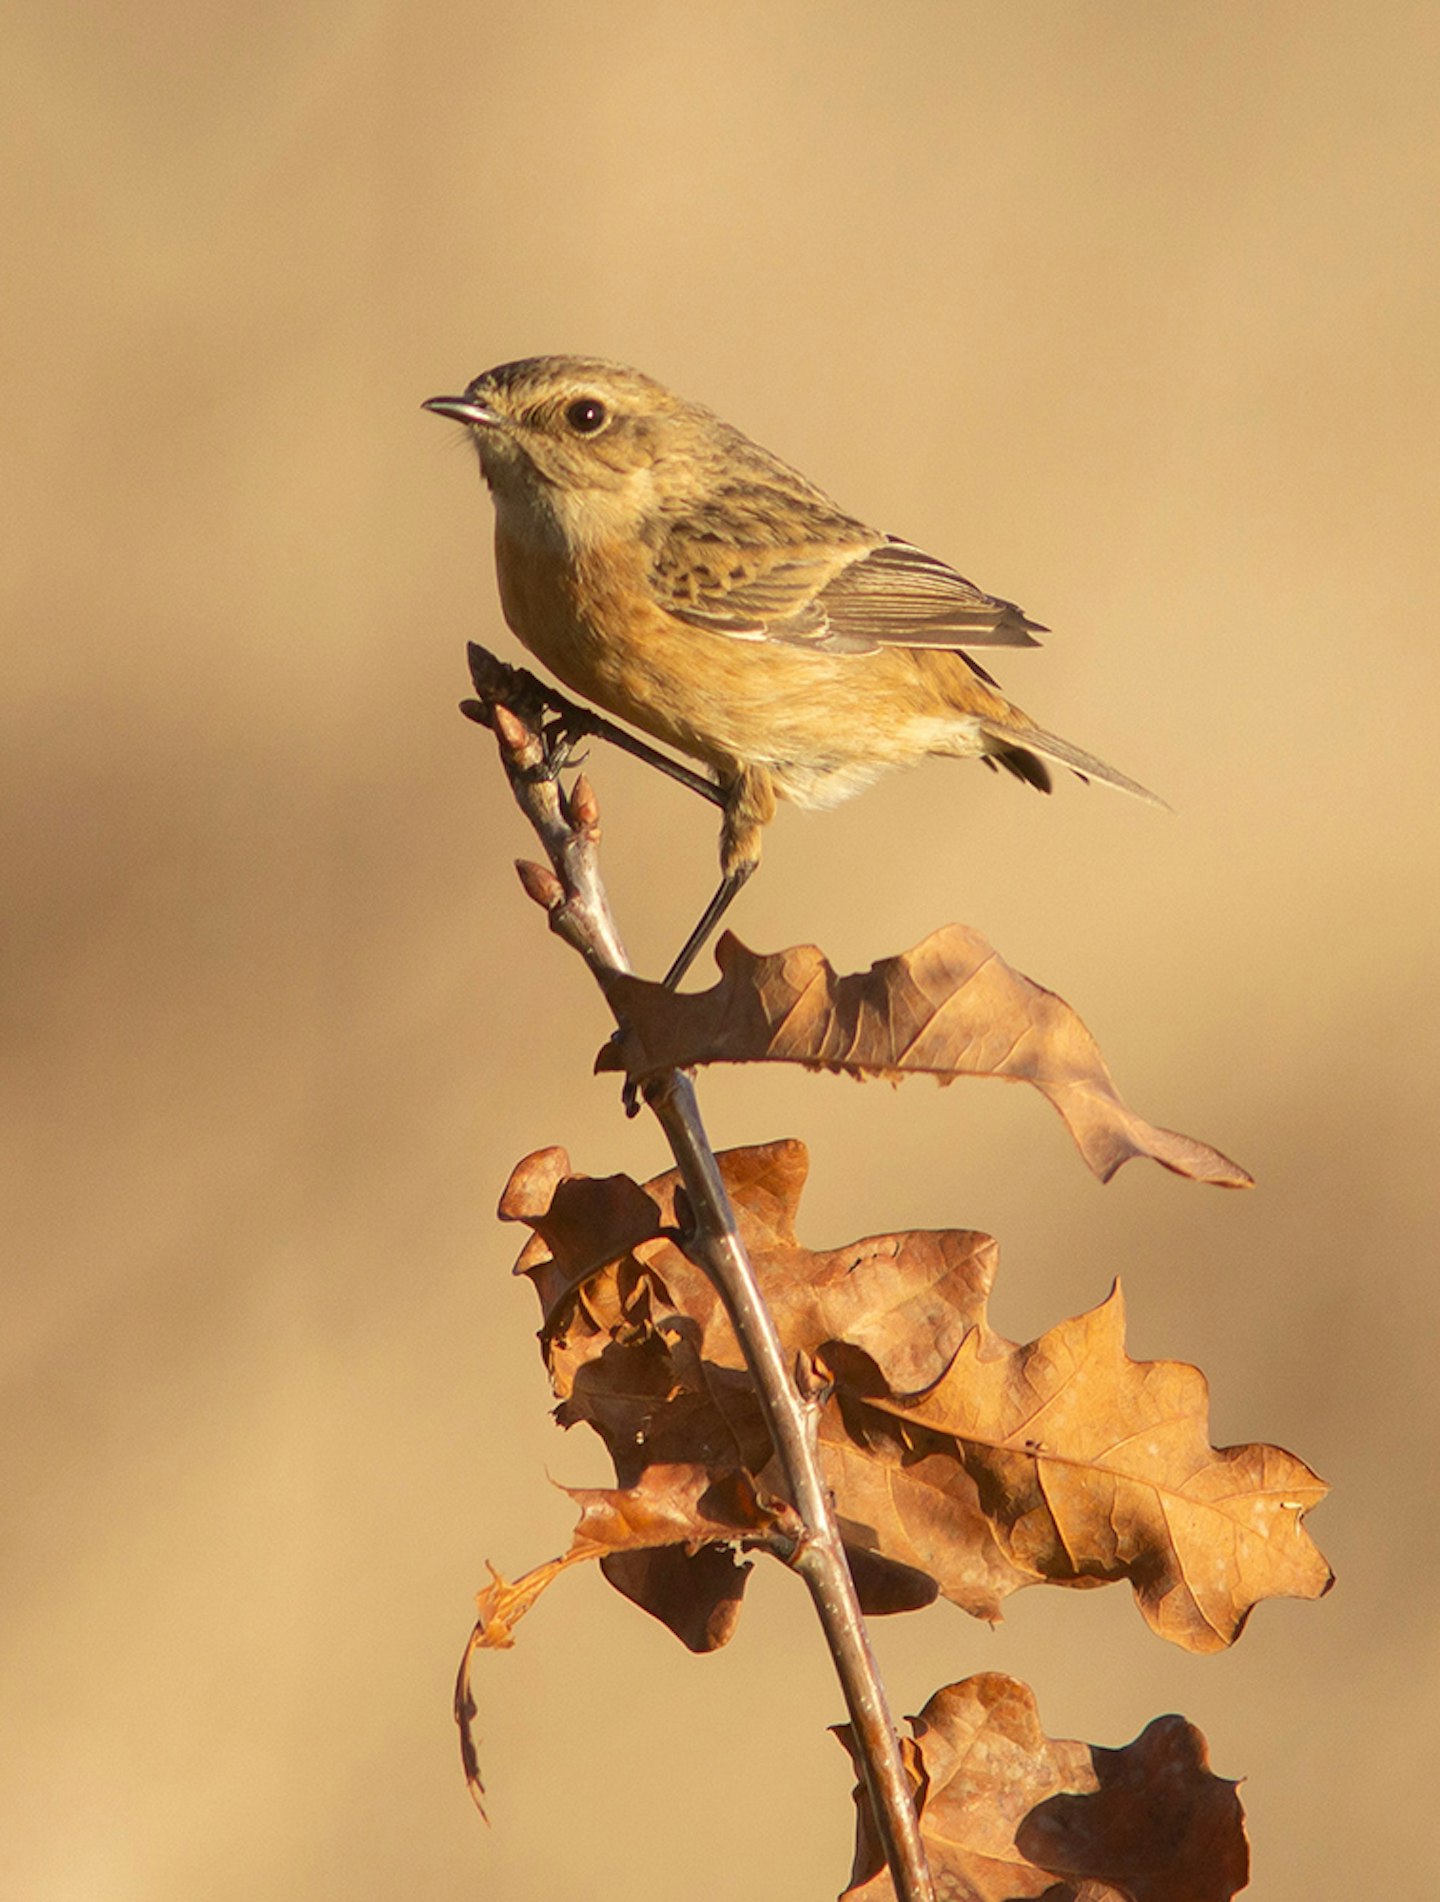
point(1131, 312)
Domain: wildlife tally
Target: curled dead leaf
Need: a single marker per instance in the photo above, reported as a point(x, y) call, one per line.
point(681, 1509)
point(905, 1300)
point(950, 1007)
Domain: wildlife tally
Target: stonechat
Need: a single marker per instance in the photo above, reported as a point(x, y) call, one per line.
point(684, 579)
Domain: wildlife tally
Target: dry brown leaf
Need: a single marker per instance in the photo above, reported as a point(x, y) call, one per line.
point(950, 1007)
point(638, 1346)
point(961, 1463)
point(1089, 1465)
point(581, 1222)
point(1006, 1813)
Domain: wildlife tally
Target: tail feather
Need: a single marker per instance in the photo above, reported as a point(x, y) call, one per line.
point(1027, 766)
point(1016, 748)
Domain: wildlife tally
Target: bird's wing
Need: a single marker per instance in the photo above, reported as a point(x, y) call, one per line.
point(812, 577)
point(753, 563)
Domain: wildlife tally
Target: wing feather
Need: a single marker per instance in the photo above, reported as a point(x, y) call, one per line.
point(897, 594)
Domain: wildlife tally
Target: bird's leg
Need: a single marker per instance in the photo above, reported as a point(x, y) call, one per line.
point(578, 722)
point(725, 893)
point(564, 721)
point(727, 890)
point(749, 806)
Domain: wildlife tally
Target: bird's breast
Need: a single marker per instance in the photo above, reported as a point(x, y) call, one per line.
point(577, 611)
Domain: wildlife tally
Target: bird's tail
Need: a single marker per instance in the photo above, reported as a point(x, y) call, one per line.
point(1020, 750)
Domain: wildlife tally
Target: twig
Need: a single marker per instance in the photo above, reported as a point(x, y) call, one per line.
point(573, 895)
point(716, 1246)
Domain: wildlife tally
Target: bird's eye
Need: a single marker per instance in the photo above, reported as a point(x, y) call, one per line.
point(587, 414)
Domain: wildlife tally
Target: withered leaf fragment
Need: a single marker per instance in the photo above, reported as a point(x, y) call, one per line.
point(1006, 1813)
point(950, 1007)
point(684, 1507)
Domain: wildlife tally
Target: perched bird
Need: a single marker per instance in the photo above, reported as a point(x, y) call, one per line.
point(681, 577)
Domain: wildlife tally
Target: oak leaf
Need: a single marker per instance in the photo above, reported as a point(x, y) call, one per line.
point(1006, 1813)
point(1089, 1465)
point(950, 1007)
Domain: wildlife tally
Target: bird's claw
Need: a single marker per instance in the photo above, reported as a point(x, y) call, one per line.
point(630, 1090)
point(558, 737)
point(560, 734)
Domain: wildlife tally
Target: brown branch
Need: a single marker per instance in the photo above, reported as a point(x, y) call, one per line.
point(573, 895)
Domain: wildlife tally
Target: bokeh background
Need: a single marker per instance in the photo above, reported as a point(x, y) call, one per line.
point(1129, 310)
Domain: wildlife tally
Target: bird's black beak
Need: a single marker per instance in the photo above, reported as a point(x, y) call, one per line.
point(463, 409)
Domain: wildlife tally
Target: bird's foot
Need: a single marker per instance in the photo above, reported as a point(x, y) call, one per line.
point(560, 735)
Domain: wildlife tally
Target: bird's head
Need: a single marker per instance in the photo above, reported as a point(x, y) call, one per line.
point(574, 424)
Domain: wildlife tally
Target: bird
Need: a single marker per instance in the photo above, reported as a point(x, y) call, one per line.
point(679, 576)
